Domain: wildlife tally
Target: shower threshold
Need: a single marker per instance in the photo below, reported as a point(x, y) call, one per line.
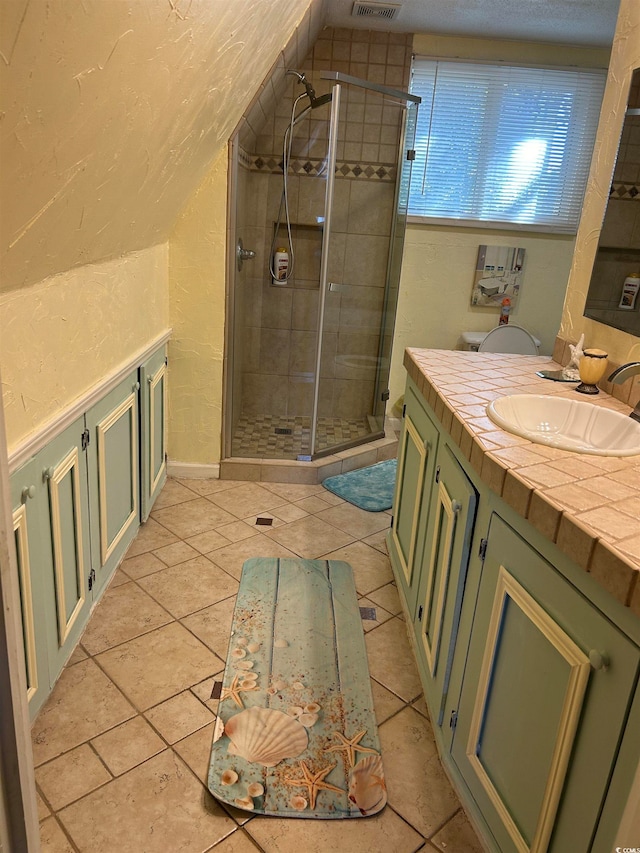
point(268, 448)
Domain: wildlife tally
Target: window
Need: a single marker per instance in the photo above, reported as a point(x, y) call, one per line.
point(503, 144)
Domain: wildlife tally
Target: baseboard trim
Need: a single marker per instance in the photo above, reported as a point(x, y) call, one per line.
point(193, 470)
point(29, 446)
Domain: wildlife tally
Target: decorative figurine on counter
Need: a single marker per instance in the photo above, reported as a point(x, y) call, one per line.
point(572, 370)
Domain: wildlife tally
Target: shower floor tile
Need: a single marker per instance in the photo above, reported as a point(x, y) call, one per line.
point(273, 437)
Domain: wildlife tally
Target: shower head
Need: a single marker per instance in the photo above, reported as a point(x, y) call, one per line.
point(321, 101)
point(311, 92)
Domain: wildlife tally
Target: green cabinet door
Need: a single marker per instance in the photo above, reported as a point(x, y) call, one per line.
point(443, 570)
point(544, 700)
point(63, 551)
point(153, 393)
point(416, 464)
point(28, 491)
point(113, 477)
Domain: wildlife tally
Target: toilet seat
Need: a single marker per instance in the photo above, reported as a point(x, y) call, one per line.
point(509, 338)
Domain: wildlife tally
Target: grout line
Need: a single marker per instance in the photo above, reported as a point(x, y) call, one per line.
point(75, 848)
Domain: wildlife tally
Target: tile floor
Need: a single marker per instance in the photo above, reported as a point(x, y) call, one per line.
point(121, 748)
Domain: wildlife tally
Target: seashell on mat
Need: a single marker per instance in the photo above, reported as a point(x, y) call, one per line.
point(244, 802)
point(280, 643)
point(253, 647)
point(298, 803)
point(308, 720)
point(297, 685)
point(294, 711)
point(366, 784)
point(279, 684)
point(255, 789)
point(265, 736)
point(312, 708)
point(238, 653)
point(244, 664)
point(241, 641)
point(229, 777)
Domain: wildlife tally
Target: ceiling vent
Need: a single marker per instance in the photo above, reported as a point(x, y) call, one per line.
point(384, 11)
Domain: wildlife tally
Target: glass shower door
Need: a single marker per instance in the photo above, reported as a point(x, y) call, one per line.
point(364, 225)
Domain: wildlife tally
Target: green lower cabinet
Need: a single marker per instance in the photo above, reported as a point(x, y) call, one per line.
point(76, 509)
point(113, 460)
point(545, 697)
point(153, 392)
point(52, 537)
point(442, 572)
point(416, 466)
point(35, 570)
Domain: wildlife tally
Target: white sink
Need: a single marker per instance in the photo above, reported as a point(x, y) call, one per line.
point(567, 424)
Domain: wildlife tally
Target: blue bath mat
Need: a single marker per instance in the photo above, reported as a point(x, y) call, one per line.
point(296, 733)
point(369, 488)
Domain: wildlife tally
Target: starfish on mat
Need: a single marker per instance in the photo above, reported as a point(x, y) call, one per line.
point(350, 746)
point(234, 691)
point(314, 782)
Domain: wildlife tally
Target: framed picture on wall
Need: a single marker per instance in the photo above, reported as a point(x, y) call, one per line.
point(498, 274)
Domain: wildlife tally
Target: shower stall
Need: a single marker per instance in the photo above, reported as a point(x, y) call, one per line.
point(309, 345)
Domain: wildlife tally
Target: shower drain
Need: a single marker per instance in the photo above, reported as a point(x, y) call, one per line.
point(283, 431)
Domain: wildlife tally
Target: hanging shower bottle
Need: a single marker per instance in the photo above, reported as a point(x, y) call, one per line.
point(280, 266)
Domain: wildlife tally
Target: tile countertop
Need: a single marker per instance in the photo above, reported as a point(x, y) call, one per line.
point(588, 505)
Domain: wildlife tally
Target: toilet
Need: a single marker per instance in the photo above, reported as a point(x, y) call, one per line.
point(506, 338)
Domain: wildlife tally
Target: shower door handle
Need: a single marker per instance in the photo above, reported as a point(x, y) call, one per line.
point(339, 288)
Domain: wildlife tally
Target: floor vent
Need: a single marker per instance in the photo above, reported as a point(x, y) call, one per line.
point(387, 11)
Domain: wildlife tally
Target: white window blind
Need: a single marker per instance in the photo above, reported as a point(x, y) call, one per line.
point(503, 144)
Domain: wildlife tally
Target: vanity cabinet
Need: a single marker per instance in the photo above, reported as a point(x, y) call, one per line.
point(416, 467)
point(76, 509)
point(528, 673)
point(443, 571)
point(544, 700)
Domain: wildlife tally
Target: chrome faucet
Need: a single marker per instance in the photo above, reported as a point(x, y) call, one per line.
point(621, 374)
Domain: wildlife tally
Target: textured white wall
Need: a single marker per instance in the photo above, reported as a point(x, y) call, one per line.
point(112, 112)
point(61, 336)
point(197, 297)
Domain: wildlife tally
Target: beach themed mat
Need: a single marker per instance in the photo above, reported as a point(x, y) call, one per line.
point(296, 734)
point(369, 488)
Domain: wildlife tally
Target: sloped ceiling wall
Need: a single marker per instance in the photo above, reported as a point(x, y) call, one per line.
point(111, 112)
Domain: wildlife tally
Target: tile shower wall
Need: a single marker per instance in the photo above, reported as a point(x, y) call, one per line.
point(280, 322)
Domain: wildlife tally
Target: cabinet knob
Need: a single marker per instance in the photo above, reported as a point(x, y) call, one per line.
point(47, 474)
point(28, 492)
point(598, 660)
point(136, 387)
point(456, 506)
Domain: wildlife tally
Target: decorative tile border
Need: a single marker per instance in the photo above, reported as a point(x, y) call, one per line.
point(314, 168)
point(626, 191)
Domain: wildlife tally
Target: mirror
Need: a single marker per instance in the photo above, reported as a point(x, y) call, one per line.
point(611, 298)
